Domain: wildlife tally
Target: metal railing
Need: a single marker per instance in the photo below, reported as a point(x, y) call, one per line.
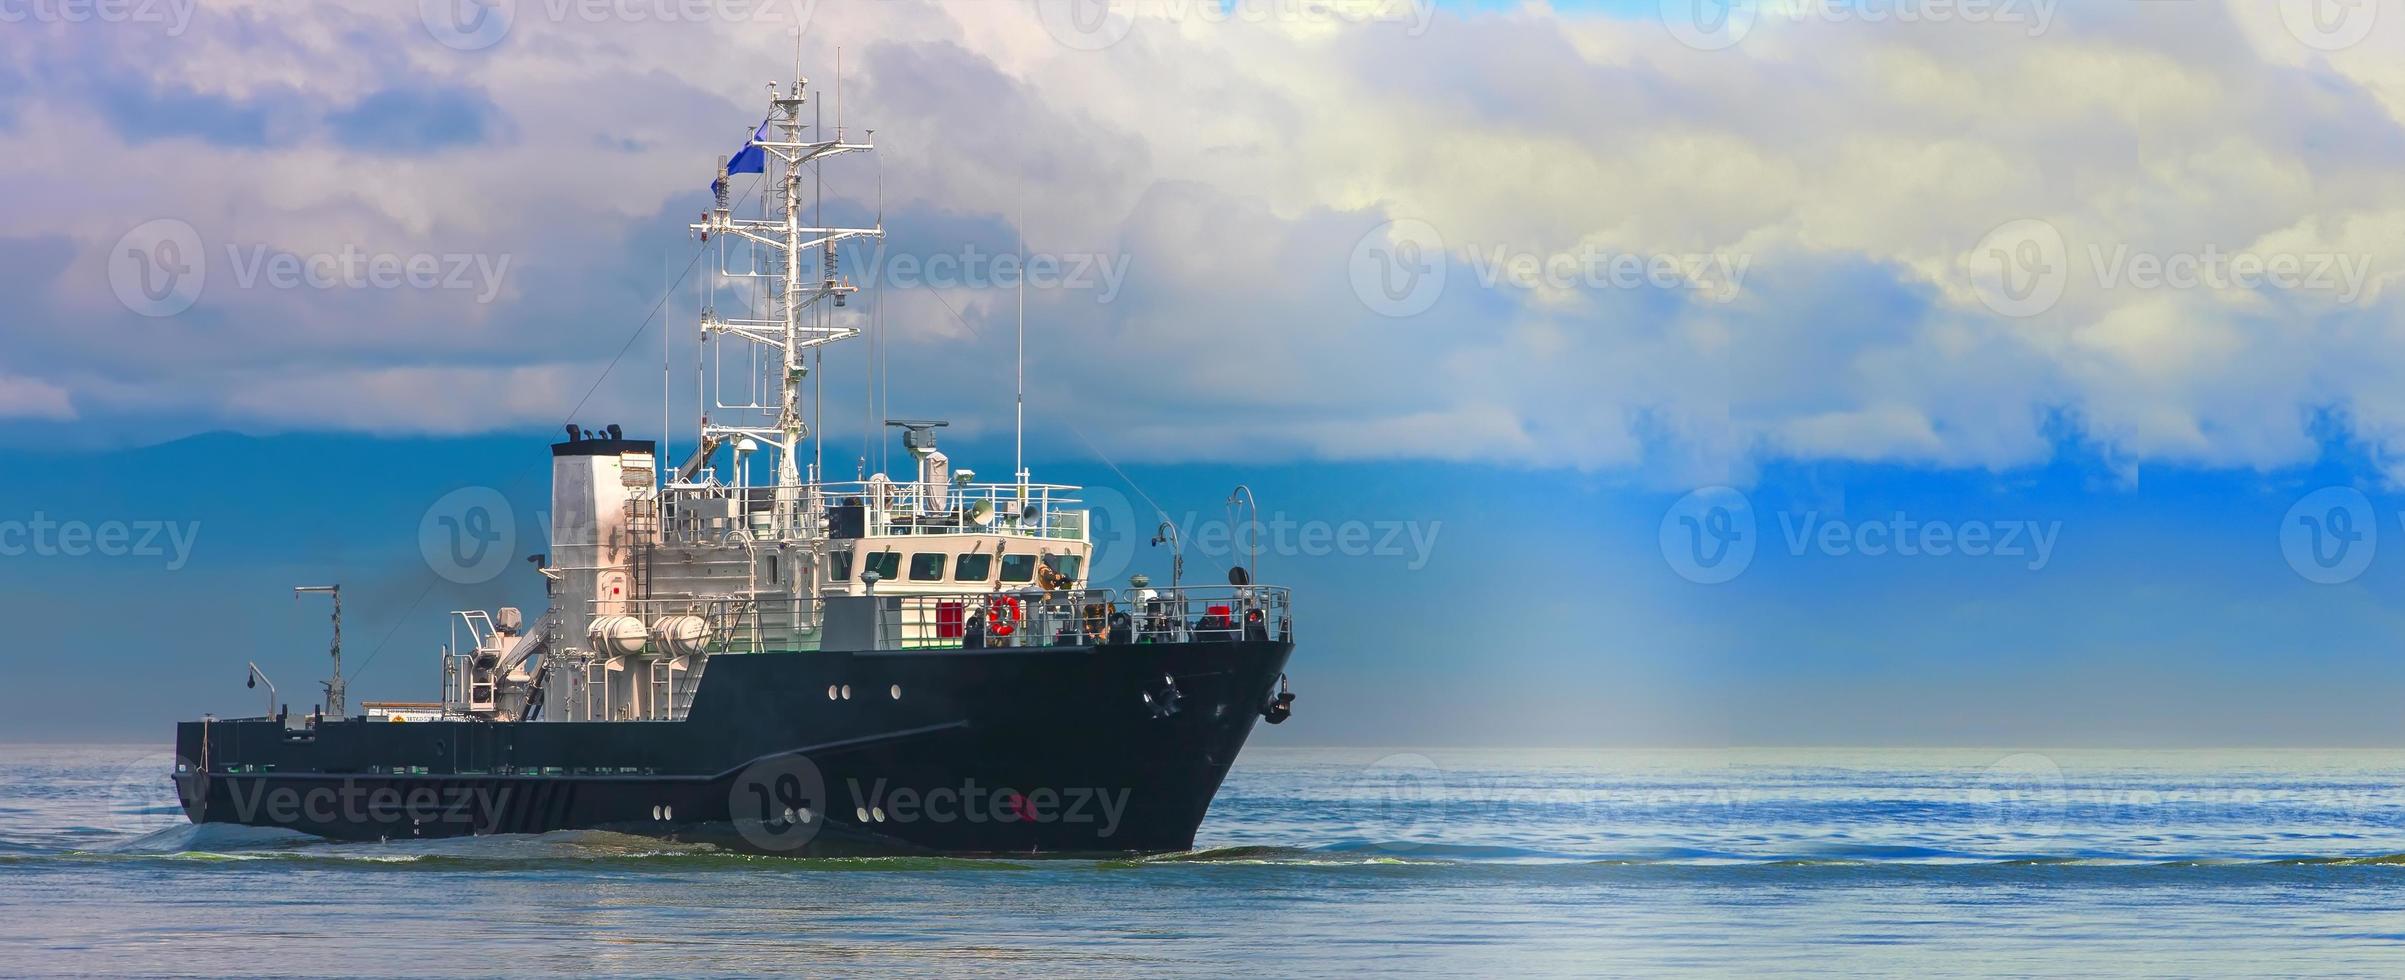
point(1082, 617)
point(859, 508)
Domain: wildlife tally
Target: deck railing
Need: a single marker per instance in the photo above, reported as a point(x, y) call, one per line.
point(855, 508)
point(1085, 617)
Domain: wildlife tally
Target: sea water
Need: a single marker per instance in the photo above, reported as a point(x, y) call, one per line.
point(1313, 862)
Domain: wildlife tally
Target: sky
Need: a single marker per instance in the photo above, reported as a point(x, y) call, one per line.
point(1637, 373)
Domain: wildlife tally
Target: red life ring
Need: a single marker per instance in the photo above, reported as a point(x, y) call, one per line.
point(997, 624)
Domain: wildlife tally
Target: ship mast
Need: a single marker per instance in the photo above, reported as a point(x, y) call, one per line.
point(801, 324)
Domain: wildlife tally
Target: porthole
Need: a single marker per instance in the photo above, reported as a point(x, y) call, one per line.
point(667, 813)
point(655, 812)
point(803, 814)
point(877, 814)
point(895, 691)
point(847, 692)
point(830, 692)
point(859, 815)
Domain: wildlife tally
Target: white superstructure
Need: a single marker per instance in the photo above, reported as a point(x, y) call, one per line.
point(654, 571)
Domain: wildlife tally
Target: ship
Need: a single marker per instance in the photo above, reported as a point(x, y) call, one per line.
point(741, 652)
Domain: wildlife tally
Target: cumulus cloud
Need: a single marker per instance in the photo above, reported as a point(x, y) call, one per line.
point(1945, 243)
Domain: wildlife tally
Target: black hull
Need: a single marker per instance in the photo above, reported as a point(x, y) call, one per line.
point(1110, 749)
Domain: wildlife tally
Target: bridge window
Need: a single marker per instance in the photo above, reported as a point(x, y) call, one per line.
point(927, 568)
point(975, 566)
point(839, 566)
point(886, 564)
point(1067, 565)
point(1018, 568)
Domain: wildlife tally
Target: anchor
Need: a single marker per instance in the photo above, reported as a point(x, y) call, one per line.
point(1165, 703)
point(1280, 706)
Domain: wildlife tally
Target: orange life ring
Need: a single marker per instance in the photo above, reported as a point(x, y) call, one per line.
point(997, 624)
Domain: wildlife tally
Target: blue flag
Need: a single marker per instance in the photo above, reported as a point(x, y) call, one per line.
point(751, 159)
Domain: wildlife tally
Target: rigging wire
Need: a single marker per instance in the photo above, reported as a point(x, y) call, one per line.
point(698, 249)
point(356, 672)
point(638, 334)
point(1080, 433)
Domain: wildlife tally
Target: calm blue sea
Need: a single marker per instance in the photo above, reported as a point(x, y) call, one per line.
point(1315, 862)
